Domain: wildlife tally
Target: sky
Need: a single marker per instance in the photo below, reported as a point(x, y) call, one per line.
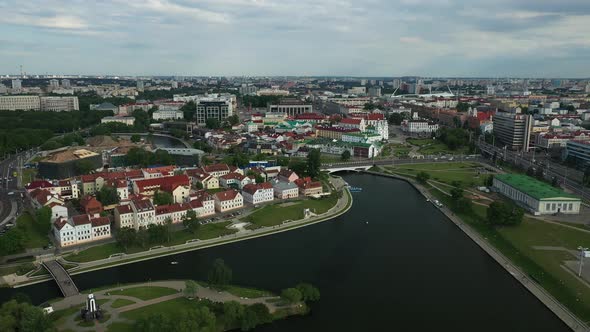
point(467, 38)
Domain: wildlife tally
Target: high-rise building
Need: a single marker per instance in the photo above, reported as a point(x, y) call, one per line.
point(65, 83)
point(213, 108)
point(3, 89)
point(53, 84)
point(59, 104)
point(374, 91)
point(513, 130)
point(397, 83)
point(248, 89)
point(363, 82)
point(290, 106)
point(16, 85)
point(587, 88)
point(139, 85)
point(491, 90)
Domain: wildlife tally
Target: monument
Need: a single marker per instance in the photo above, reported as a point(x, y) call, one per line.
point(92, 310)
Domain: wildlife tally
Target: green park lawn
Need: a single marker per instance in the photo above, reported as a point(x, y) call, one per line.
point(429, 146)
point(544, 266)
point(145, 292)
point(251, 293)
point(271, 215)
point(34, 238)
point(166, 307)
point(462, 172)
point(420, 141)
point(208, 231)
point(118, 303)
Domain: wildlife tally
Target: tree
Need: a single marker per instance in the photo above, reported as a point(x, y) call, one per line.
point(43, 220)
point(212, 123)
point(555, 182)
point(135, 138)
point(157, 233)
point(220, 274)
point(313, 163)
point(233, 312)
point(299, 167)
point(489, 181)
point(189, 109)
point(22, 316)
point(84, 166)
point(249, 320)
point(504, 213)
point(262, 313)
point(462, 107)
point(539, 173)
point(345, 156)
point(13, 241)
point(308, 292)
point(422, 177)
point(142, 237)
point(190, 288)
point(292, 295)
point(369, 106)
point(108, 195)
point(142, 119)
point(154, 322)
point(233, 120)
point(190, 221)
point(530, 171)
point(168, 224)
point(395, 119)
point(200, 319)
point(163, 198)
point(126, 236)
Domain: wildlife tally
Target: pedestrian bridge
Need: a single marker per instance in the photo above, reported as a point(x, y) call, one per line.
point(353, 168)
point(61, 276)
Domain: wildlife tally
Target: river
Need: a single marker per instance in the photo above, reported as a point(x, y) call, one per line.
point(393, 262)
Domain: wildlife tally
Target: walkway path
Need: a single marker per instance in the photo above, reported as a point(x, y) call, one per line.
point(179, 285)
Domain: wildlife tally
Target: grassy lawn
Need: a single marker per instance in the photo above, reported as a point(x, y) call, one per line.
point(420, 141)
point(29, 175)
point(145, 292)
point(208, 231)
point(118, 303)
point(429, 146)
point(34, 239)
point(166, 307)
point(120, 327)
point(462, 172)
point(18, 269)
point(251, 293)
point(544, 266)
point(271, 215)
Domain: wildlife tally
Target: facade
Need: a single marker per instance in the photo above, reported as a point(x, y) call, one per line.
point(25, 103)
point(258, 193)
point(80, 229)
point(163, 114)
point(538, 197)
point(59, 104)
point(307, 187)
point(127, 120)
point(287, 175)
point(579, 151)
point(513, 130)
point(213, 109)
point(419, 126)
point(285, 190)
point(290, 106)
point(228, 200)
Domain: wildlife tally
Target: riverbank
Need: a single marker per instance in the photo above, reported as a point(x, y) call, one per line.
point(122, 306)
point(343, 204)
point(515, 271)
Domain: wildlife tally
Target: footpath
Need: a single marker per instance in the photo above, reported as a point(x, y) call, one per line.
point(547, 299)
point(342, 206)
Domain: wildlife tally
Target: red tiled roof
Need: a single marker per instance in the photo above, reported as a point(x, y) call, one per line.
point(163, 169)
point(101, 221)
point(165, 183)
point(81, 219)
point(123, 209)
point(227, 195)
point(230, 176)
point(143, 205)
point(39, 184)
point(351, 121)
point(216, 168)
point(253, 188)
point(164, 209)
point(60, 223)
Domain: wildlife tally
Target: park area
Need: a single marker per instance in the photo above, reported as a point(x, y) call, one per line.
point(276, 214)
point(468, 174)
point(428, 146)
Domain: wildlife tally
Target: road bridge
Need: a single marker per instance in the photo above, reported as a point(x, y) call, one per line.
point(61, 276)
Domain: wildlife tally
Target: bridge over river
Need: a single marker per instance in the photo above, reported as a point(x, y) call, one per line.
point(61, 276)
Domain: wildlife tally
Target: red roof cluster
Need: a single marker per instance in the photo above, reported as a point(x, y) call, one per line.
point(38, 184)
point(227, 195)
point(167, 183)
point(253, 188)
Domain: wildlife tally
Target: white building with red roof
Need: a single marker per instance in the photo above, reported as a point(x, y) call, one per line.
point(353, 123)
point(287, 175)
point(235, 180)
point(217, 170)
point(157, 172)
point(44, 197)
point(80, 229)
point(203, 179)
point(228, 200)
point(42, 184)
point(169, 184)
point(258, 193)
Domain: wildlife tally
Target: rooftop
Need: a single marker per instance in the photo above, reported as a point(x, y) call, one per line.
point(535, 188)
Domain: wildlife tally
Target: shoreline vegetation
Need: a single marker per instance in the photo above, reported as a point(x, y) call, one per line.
point(339, 203)
point(543, 273)
point(169, 305)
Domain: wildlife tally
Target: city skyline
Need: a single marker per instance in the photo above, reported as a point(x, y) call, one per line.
point(298, 38)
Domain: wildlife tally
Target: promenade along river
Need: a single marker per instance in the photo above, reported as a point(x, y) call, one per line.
point(393, 262)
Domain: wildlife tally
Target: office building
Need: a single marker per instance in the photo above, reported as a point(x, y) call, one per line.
point(140, 86)
point(374, 91)
point(25, 103)
point(579, 152)
point(290, 107)
point(59, 104)
point(248, 89)
point(513, 130)
point(53, 84)
point(536, 196)
point(65, 83)
point(213, 108)
point(16, 85)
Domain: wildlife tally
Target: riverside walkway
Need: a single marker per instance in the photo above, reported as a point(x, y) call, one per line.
point(61, 276)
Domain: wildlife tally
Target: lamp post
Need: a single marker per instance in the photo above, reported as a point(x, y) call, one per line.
point(582, 250)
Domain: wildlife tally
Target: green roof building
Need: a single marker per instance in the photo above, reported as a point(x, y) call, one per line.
point(537, 196)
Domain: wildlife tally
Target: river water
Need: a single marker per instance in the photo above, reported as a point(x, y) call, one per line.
point(393, 262)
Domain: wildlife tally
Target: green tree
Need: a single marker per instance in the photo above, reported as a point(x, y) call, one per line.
point(292, 295)
point(163, 198)
point(135, 138)
point(422, 177)
point(369, 106)
point(108, 195)
point(22, 316)
point(489, 181)
point(84, 166)
point(212, 123)
point(345, 156)
point(308, 292)
point(539, 173)
point(299, 167)
point(220, 274)
point(157, 233)
point(142, 119)
point(234, 120)
point(262, 313)
point(154, 322)
point(142, 237)
point(189, 109)
point(200, 319)
point(191, 222)
point(233, 312)
point(504, 213)
point(395, 119)
point(13, 241)
point(43, 220)
point(249, 320)
point(313, 163)
point(530, 171)
point(126, 237)
point(190, 288)
point(462, 107)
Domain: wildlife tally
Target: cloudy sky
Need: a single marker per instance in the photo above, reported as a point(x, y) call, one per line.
point(534, 38)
